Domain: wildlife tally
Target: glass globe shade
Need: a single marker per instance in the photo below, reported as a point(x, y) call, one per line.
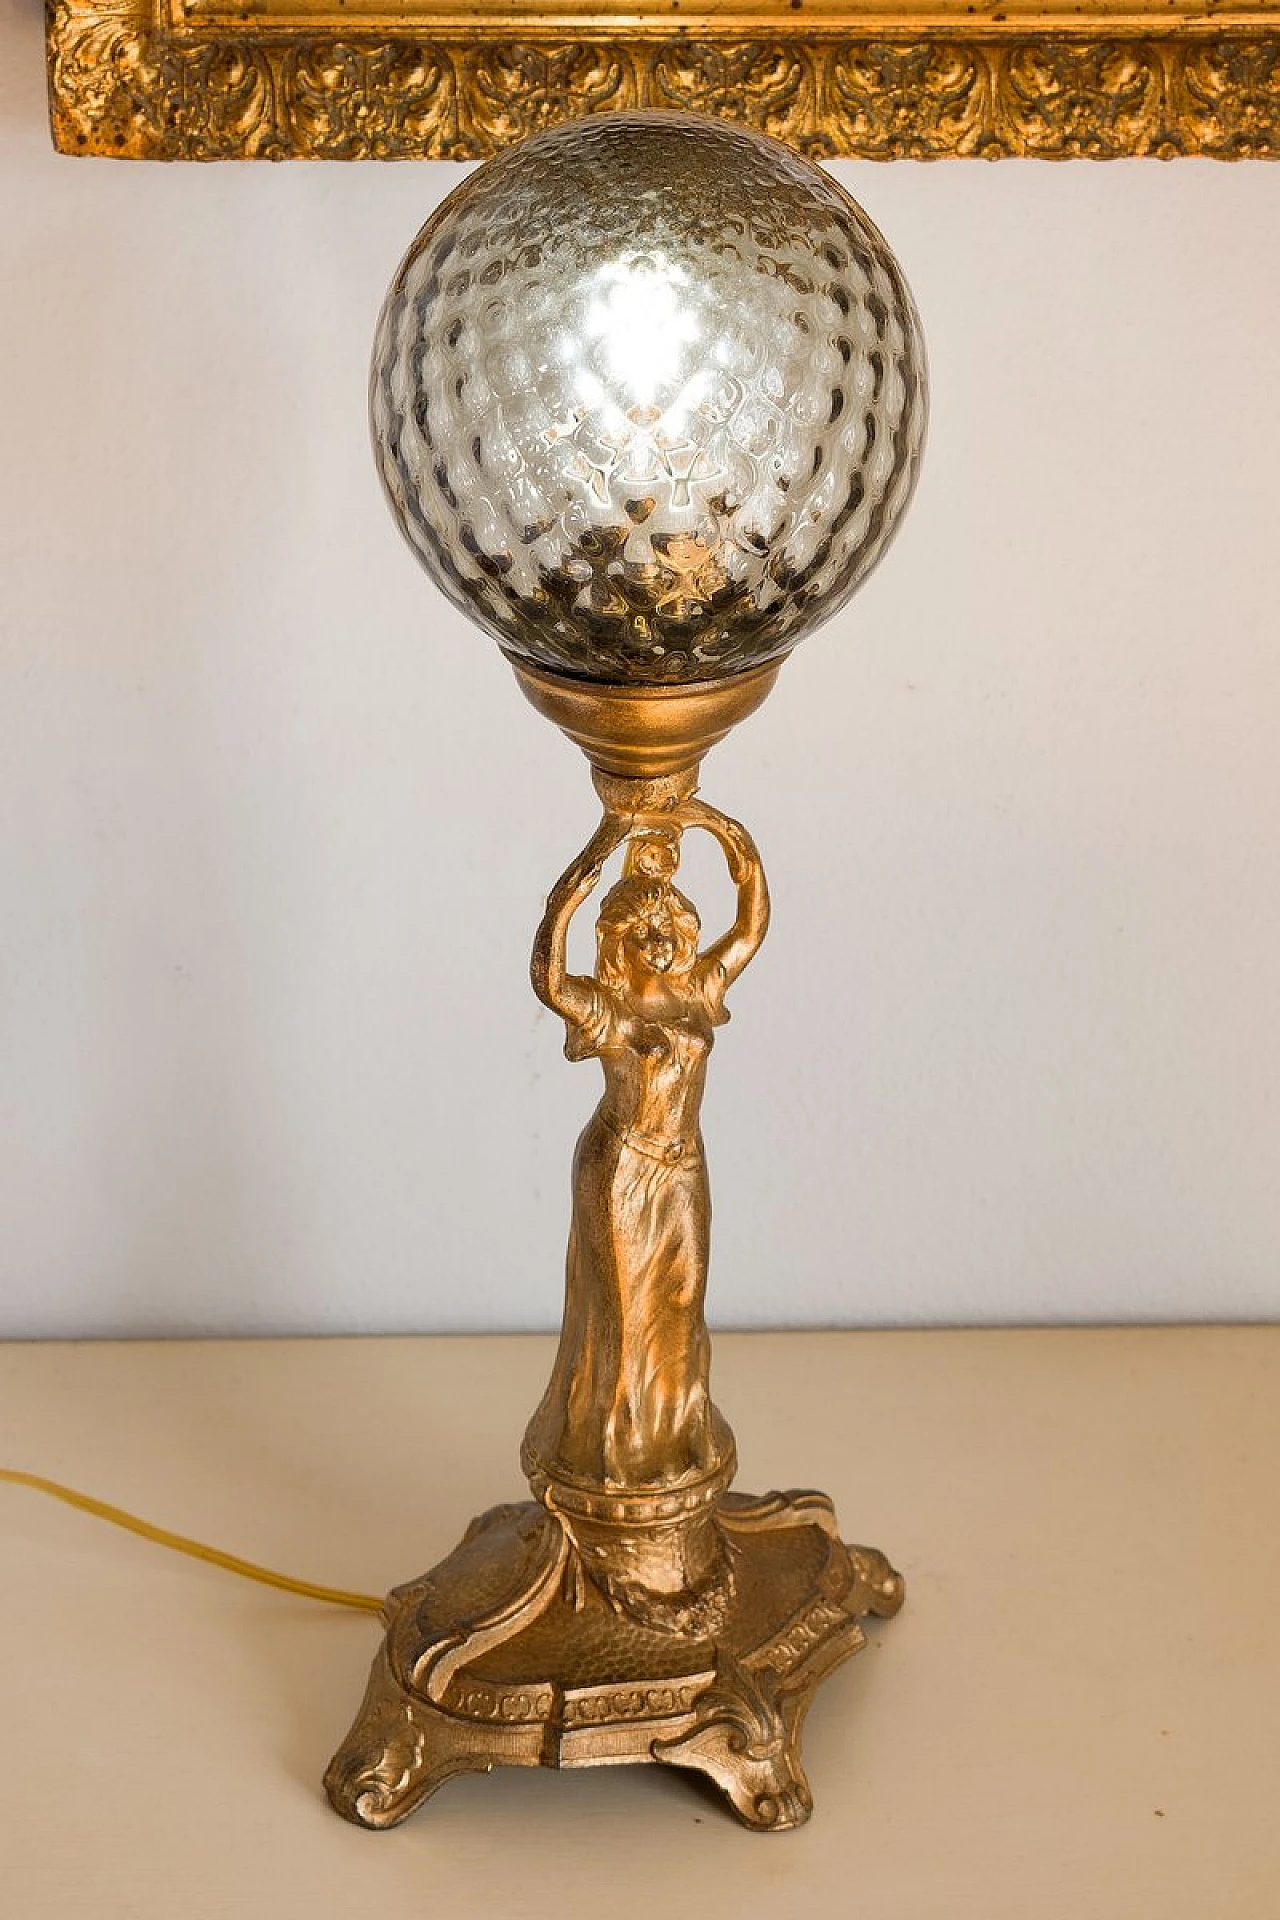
point(648, 398)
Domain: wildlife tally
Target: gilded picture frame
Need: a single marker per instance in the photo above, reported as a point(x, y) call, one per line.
point(876, 79)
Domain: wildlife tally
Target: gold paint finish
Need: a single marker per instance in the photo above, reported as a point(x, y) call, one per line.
point(635, 1609)
point(318, 79)
point(645, 732)
point(549, 1672)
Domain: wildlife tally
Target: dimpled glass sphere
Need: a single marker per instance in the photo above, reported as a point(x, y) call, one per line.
point(648, 398)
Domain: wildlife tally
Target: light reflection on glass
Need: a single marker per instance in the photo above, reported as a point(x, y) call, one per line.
point(648, 398)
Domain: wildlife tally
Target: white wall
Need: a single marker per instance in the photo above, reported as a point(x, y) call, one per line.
point(275, 824)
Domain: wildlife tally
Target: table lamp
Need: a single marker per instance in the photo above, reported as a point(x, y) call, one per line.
point(648, 400)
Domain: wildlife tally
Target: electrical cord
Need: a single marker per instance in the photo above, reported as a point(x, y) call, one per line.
point(178, 1543)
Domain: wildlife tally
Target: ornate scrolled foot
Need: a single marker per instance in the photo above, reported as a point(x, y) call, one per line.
point(878, 1587)
point(748, 1743)
point(767, 1791)
point(397, 1753)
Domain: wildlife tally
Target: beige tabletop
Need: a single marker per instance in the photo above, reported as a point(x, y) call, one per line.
point(1078, 1712)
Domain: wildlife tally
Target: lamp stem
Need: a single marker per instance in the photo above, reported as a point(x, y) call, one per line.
point(627, 1447)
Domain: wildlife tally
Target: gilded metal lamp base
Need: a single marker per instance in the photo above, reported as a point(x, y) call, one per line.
point(635, 1609)
point(507, 1655)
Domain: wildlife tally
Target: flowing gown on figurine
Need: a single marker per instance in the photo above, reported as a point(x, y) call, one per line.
point(628, 1402)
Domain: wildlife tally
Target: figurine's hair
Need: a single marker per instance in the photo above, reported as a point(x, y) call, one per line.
point(628, 905)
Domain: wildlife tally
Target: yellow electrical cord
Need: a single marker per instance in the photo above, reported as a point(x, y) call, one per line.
point(334, 1596)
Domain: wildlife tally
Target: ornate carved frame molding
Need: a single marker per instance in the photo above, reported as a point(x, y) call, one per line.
point(889, 79)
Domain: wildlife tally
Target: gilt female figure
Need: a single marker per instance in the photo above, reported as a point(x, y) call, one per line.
point(628, 1405)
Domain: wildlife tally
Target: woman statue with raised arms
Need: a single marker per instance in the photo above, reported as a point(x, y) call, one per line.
point(628, 1406)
